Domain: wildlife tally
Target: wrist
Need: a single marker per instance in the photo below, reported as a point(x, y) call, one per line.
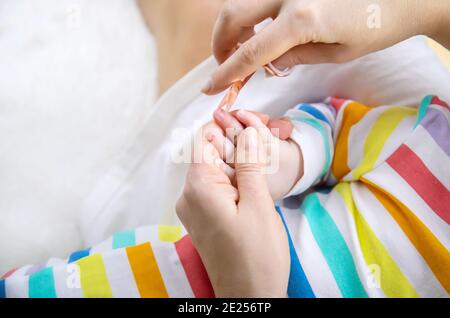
point(290, 169)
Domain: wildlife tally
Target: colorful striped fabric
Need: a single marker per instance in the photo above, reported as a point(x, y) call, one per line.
point(383, 228)
point(378, 228)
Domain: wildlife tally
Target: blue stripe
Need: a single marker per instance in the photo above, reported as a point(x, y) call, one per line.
point(298, 286)
point(423, 109)
point(324, 189)
point(313, 112)
point(317, 125)
point(124, 239)
point(42, 284)
point(2, 289)
point(75, 256)
point(333, 247)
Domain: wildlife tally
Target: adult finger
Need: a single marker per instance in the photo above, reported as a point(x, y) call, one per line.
point(236, 21)
point(312, 53)
point(263, 117)
point(250, 178)
point(251, 120)
point(264, 47)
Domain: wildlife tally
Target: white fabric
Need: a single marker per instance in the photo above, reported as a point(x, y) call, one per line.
point(77, 78)
point(144, 187)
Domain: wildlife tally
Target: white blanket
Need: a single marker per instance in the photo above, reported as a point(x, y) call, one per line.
point(77, 79)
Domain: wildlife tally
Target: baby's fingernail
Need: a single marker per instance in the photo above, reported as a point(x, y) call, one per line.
point(210, 137)
point(207, 87)
point(219, 114)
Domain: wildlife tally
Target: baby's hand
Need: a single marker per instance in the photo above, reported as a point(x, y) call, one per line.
point(284, 166)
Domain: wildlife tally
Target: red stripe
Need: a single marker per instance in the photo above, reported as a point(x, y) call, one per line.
point(194, 268)
point(412, 169)
point(437, 101)
point(337, 103)
point(7, 274)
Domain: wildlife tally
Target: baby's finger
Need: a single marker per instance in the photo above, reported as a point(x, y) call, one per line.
point(281, 128)
point(223, 145)
point(264, 117)
point(251, 120)
point(229, 171)
point(229, 124)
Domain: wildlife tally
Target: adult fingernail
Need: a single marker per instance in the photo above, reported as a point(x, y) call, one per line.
point(279, 69)
point(207, 87)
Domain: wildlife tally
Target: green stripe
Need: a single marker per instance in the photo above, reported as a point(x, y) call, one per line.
point(319, 126)
point(423, 109)
point(42, 284)
point(333, 247)
point(124, 239)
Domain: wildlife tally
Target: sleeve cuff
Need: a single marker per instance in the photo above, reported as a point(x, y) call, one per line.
point(311, 144)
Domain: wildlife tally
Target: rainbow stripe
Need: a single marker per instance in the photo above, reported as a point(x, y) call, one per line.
point(2, 288)
point(333, 247)
point(93, 277)
point(146, 272)
point(194, 269)
point(392, 281)
point(124, 239)
point(42, 284)
point(298, 285)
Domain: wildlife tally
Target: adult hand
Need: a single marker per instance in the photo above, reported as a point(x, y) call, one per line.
point(236, 230)
point(316, 31)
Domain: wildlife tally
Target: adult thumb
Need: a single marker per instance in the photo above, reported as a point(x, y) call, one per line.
point(251, 159)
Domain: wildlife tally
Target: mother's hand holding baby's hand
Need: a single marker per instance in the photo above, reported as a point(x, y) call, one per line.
point(236, 230)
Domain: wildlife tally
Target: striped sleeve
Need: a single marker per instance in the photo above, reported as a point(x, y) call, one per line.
point(151, 261)
point(313, 127)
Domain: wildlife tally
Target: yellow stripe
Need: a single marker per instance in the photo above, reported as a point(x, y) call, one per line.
point(379, 135)
point(169, 233)
point(146, 272)
point(94, 281)
point(391, 279)
point(352, 114)
point(433, 252)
